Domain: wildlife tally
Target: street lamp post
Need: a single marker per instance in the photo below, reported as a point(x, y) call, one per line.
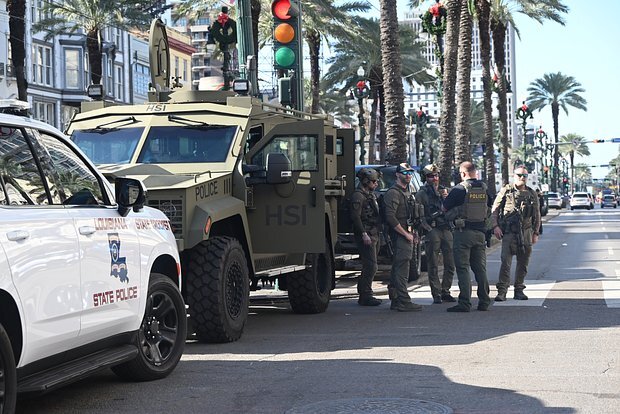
point(360, 92)
point(542, 138)
point(224, 31)
point(523, 113)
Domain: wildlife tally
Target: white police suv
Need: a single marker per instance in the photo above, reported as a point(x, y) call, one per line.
point(89, 277)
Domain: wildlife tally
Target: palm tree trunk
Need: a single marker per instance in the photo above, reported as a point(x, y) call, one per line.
point(94, 56)
point(393, 84)
point(499, 38)
point(463, 94)
point(313, 38)
point(483, 9)
point(17, 29)
point(448, 103)
point(255, 12)
point(555, 113)
point(382, 131)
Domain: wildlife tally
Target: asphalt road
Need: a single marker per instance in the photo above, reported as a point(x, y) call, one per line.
point(555, 353)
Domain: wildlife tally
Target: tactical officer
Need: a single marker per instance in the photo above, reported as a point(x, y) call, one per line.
point(438, 235)
point(516, 221)
point(365, 219)
point(399, 213)
point(467, 204)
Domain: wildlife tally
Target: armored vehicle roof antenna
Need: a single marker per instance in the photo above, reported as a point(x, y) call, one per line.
point(159, 57)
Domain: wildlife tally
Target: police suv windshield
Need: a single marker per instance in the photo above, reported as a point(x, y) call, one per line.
point(164, 145)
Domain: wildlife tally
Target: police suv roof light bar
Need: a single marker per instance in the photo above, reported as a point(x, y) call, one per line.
point(14, 107)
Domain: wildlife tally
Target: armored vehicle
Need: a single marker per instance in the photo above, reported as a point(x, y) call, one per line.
point(251, 191)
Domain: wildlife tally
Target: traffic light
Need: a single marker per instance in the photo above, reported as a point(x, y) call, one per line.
point(286, 33)
point(597, 141)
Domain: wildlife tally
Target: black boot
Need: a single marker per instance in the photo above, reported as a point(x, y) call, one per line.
point(369, 301)
point(519, 295)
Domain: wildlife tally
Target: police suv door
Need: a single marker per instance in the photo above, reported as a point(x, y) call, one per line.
point(290, 217)
point(41, 247)
point(112, 283)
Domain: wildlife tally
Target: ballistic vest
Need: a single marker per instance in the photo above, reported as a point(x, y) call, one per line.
point(475, 208)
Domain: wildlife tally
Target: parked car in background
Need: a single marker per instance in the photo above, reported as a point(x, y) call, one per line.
point(89, 276)
point(591, 197)
point(581, 200)
point(609, 200)
point(555, 201)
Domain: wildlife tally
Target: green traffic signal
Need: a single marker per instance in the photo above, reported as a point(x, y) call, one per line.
point(284, 57)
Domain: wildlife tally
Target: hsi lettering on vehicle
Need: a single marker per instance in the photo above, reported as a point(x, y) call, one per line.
point(111, 223)
point(117, 295)
point(148, 224)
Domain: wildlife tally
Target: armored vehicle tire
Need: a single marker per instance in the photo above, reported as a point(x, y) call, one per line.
point(309, 290)
point(218, 289)
point(162, 334)
point(8, 376)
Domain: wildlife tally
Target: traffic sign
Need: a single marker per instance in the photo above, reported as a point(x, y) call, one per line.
point(615, 140)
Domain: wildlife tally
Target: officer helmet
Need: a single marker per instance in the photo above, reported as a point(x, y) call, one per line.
point(367, 174)
point(431, 169)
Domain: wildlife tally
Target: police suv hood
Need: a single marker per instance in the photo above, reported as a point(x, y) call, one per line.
point(156, 177)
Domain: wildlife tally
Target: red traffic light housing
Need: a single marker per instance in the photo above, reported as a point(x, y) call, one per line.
point(597, 141)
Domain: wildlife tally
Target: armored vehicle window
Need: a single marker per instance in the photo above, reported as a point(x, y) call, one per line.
point(20, 177)
point(79, 185)
point(108, 145)
point(302, 150)
point(187, 144)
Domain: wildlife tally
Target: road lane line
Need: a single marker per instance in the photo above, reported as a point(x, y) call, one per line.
point(611, 293)
point(610, 251)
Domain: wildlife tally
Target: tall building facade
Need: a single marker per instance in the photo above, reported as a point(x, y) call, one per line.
point(425, 96)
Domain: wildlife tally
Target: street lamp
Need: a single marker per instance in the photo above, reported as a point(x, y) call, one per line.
point(542, 138)
point(224, 31)
point(523, 113)
point(360, 92)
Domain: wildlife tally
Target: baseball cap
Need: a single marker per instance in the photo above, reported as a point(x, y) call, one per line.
point(403, 166)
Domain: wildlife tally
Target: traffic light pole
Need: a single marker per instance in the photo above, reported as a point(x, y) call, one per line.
point(246, 45)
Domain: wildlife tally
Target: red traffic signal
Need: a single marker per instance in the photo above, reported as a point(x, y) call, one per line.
point(597, 141)
point(283, 9)
point(564, 180)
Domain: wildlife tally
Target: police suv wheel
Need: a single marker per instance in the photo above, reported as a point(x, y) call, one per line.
point(309, 290)
point(8, 376)
point(218, 289)
point(161, 338)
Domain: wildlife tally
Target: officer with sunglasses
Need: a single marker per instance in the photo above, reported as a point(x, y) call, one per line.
point(515, 217)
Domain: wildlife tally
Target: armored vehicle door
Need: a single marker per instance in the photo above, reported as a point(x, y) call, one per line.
point(286, 203)
point(345, 152)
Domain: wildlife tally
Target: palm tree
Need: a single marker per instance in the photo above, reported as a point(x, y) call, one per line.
point(502, 16)
point(524, 155)
point(556, 90)
point(463, 95)
point(572, 144)
point(483, 14)
point(583, 176)
point(448, 101)
point(351, 52)
point(391, 63)
point(91, 17)
point(17, 29)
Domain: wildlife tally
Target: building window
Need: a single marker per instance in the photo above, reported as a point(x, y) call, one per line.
point(42, 65)
point(72, 69)
point(86, 68)
point(184, 69)
point(109, 83)
point(36, 11)
point(176, 66)
point(141, 79)
point(118, 82)
point(44, 111)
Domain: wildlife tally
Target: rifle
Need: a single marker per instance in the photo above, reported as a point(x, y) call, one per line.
point(487, 237)
point(389, 249)
point(514, 224)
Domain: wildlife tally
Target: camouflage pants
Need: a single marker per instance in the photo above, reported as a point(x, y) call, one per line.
point(509, 249)
point(399, 276)
point(440, 240)
point(470, 251)
point(368, 256)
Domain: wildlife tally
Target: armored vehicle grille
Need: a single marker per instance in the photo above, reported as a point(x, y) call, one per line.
point(173, 209)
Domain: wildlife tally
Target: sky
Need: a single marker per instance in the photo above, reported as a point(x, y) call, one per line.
point(586, 48)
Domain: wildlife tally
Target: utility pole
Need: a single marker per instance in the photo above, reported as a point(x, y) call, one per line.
point(248, 60)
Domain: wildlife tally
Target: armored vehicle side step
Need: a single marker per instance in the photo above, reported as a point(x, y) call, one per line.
point(76, 370)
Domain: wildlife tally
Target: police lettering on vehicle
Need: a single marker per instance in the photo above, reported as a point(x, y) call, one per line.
point(148, 224)
point(113, 296)
point(206, 190)
point(287, 216)
point(111, 223)
point(155, 108)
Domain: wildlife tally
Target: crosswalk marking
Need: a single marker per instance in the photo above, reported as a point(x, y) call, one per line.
point(611, 292)
point(537, 291)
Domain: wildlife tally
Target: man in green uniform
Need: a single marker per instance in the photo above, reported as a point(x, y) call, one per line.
point(399, 212)
point(516, 222)
point(365, 219)
point(438, 235)
point(468, 203)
